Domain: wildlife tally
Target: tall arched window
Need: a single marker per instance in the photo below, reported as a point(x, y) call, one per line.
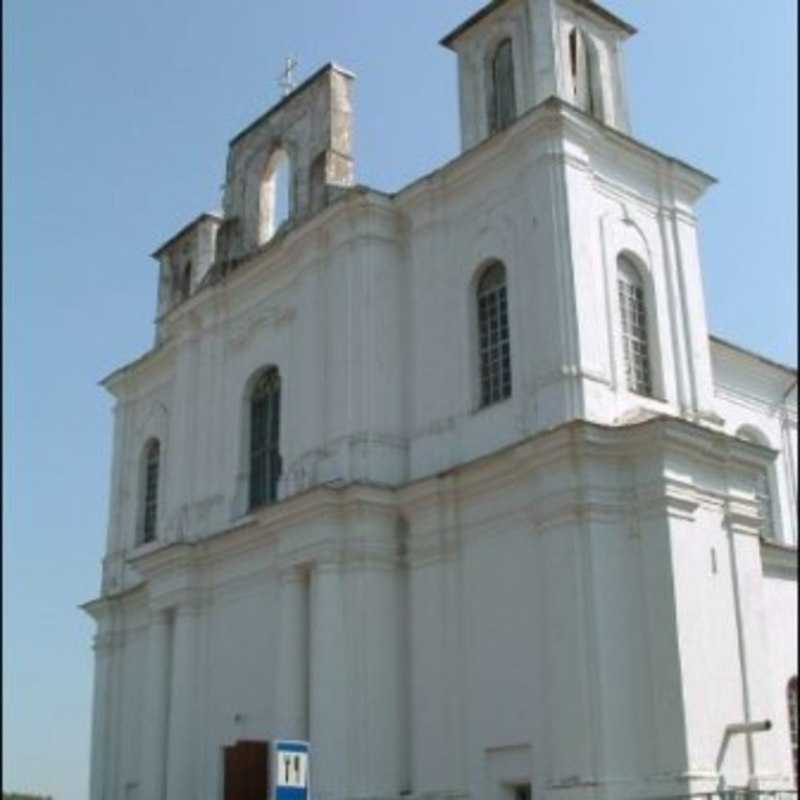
point(794, 724)
point(276, 196)
point(584, 70)
point(763, 484)
point(152, 465)
point(633, 321)
point(265, 420)
point(494, 342)
point(503, 101)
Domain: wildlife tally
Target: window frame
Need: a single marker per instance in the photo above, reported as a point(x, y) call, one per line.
point(496, 124)
point(492, 311)
point(150, 491)
point(583, 67)
point(264, 462)
point(633, 334)
point(269, 223)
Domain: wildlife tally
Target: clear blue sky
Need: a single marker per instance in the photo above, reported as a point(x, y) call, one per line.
point(117, 117)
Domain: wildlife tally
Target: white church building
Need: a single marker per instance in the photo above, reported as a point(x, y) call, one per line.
point(452, 483)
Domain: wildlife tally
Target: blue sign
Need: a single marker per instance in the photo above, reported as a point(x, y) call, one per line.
point(291, 771)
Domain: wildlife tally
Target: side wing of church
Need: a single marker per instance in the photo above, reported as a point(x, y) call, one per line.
point(454, 483)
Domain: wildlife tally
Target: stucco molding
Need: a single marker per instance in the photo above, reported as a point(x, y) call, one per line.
point(264, 315)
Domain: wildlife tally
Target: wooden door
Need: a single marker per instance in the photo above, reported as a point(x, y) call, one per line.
point(246, 771)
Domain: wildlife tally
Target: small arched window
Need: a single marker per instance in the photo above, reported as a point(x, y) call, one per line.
point(186, 280)
point(265, 420)
point(794, 728)
point(585, 73)
point(494, 341)
point(503, 100)
point(633, 321)
point(152, 466)
point(763, 488)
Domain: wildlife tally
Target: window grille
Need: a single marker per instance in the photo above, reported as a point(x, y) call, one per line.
point(265, 459)
point(633, 317)
point(504, 101)
point(151, 469)
point(794, 733)
point(493, 333)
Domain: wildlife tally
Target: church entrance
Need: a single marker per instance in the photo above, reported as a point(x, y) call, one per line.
point(246, 765)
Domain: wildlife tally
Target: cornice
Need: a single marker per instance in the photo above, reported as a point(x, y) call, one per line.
point(331, 67)
point(188, 602)
point(741, 398)
point(168, 557)
point(779, 559)
point(743, 355)
point(264, 527)
point(359, 214)
point(185, 230)
point(121, 382)
point(100, 607)
point(555, 117)
point(592, 9)
point(667, 498)
point(435, 505)
point(577, 444)
point(742, 517)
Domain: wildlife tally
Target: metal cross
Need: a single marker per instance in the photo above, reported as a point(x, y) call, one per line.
point(286, 80)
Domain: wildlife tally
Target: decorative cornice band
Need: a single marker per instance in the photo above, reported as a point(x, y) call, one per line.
point(742, 517)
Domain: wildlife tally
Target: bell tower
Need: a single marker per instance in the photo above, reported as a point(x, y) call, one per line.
point(514, 54)
point(308, 134)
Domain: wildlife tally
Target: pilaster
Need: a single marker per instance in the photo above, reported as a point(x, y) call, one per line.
point(742, 526)
point(292, 681)
point(181, 778)
point(436, 642)
point(154, 752)
point(331, 702)
point(100, 707)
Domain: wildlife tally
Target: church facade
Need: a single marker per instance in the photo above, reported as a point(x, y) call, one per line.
point(452, 483)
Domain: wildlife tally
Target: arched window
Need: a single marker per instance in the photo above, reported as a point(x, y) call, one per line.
point(186, 281)
point(633, 321)
point(763, 484)
point(503, 100)
point(276, 200)
point(794, 724)
point(585, 72)
point(494, 342)
point(152, 465)
point(265, 458)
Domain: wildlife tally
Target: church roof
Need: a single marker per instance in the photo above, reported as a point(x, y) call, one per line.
point(589, 5)
point(185, 229)
point(754, 355)
point(329, 67)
